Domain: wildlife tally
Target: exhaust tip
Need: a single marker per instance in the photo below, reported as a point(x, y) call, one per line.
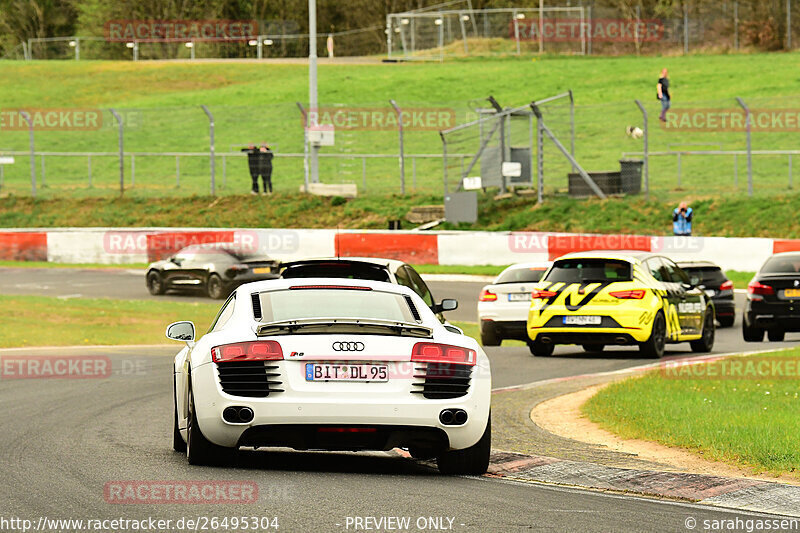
point(237, 415)
point(446, 417)
point(460, 417)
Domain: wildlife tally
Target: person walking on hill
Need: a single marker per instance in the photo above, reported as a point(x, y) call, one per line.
point(662, 93)
point(265, 156)
point(252, 164)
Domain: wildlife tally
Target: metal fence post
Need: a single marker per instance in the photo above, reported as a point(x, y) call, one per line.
point(571, 126)
point(414, 172)
point(402, 151)
point(42, 182)
point(749, 146)
point(89, 164)
point(306, 166)
point(211, 133)
point(364, 173)
point(788, 24)
point(27, 118)
point(444, 161)
point(539, 160)
point(121, 153)
point(224, 172)
point(77, 49)
point(645, 169)
point(685, 28)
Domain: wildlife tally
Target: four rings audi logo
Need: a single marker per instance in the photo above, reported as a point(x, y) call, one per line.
point(348, 346)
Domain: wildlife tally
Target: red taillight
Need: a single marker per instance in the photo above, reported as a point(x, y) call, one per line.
point(727, 286)
point(543, 294)
point(247, 351)
point(633, 294)
point(487, 296)
point(430, 352)
point(759, 288)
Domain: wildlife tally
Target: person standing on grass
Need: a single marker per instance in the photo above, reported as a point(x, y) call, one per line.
point(682, 220)
point(253, 165)
point(265, 156)
point(662, 92)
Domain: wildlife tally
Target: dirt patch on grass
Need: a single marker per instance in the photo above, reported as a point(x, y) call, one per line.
point(562, 416)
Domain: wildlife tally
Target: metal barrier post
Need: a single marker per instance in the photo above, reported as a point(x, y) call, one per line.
point(402, 151)
point(306, 165)
point(444, 161)
point(749, 147)
point(27, 118)
point(539, 160)
point(121, 153)
point(645, 168)
point(211, 133)
point(572, 126)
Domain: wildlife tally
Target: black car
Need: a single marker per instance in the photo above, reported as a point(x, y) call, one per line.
point(710, 278)
point(773, 299)
point(216, 270)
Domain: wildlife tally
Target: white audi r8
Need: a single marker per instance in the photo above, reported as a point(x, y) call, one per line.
point(332, 364)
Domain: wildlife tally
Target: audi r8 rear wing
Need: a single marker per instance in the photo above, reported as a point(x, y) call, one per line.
point(317, 326)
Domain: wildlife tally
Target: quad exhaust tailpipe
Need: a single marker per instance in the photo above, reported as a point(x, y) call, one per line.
point(237, 415)
point(453, 417)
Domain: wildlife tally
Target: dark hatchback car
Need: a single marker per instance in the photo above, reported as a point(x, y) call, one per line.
point(709, 277)
point(216, 270)
point(773, 299)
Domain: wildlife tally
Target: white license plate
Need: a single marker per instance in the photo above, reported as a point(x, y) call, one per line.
point(519, 297)
point(346, 372)
point(582, 320)
point(710, 292)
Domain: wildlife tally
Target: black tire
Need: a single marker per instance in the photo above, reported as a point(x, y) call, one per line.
point(751, 334)
point(776, 335)
point(215, 288)
point(593, 348)
point(726, 321)
point(199, 450)
point(540, 349)
point(489, 336)
point(472, 461)
point(706, 342)
point(178, 444)
point(154, 283)
point(654, 346)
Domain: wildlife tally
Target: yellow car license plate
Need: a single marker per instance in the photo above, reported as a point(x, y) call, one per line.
point(792, 293)
point(262, 270)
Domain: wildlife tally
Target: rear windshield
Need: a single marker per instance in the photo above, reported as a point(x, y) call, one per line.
point(297, 304)
point(589, 270)
point(336, 270)
point(521, 275)
point(782, 265)
point(706, 275)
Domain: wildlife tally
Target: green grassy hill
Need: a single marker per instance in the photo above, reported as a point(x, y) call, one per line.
point(256, 101)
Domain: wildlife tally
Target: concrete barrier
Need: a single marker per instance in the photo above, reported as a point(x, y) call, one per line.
point(138, 245)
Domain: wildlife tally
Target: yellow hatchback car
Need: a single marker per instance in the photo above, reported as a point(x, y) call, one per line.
point(639, 299)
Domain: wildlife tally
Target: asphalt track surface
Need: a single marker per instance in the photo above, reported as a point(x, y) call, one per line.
point(63, 440)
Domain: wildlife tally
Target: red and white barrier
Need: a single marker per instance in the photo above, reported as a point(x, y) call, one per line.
point(139, 245)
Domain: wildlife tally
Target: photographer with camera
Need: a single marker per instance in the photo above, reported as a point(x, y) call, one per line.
point(682, 219)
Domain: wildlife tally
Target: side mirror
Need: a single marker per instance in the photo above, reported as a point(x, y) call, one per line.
point(694, 281)
point(175, 260)
point(181, 331)
point(448, 304)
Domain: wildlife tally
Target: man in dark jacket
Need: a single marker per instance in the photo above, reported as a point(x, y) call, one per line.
point(253, 164)
point(265, 156)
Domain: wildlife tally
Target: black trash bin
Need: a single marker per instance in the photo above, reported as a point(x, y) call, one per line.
point(630, 175)
point(607, 182)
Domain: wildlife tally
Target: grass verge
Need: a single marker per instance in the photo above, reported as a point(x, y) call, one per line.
point(744, 415)
point(48, 321)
